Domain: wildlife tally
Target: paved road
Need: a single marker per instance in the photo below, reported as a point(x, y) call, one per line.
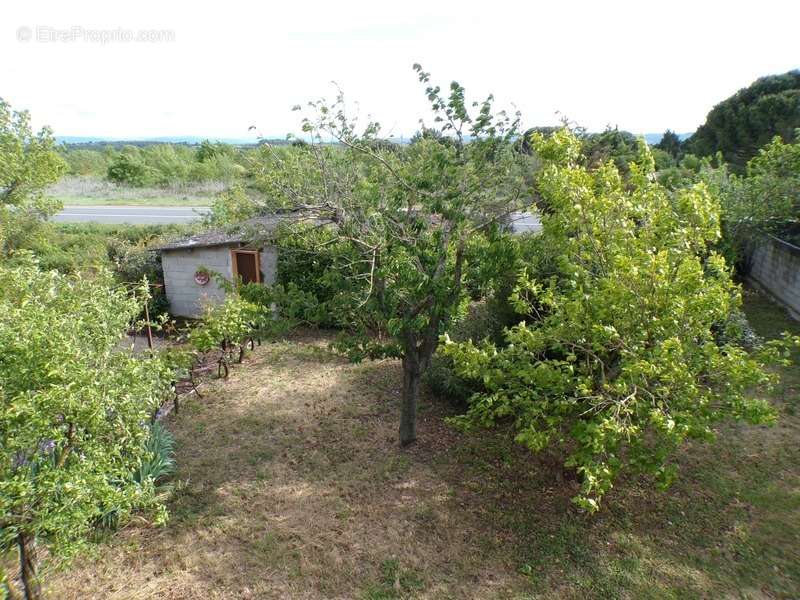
point(525, 222)
point(142, 215)
point(137, 215)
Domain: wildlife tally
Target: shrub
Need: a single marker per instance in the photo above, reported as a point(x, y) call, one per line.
point(445, 383)
point(617, 361)
point(223, 324)
point(158, 461)
point(282, 306)
point(216, 168)
point(228, 326)
point(133, 261)
point(86, 162)
point(737, 331)
point(442, 378)
point(130, 170)
point(73, 412)
point(233, 206)
point(317, 262)
point(167, 164)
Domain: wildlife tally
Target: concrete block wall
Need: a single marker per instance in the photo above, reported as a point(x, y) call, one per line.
point(776, 267)
point(269, 264)
point(186, 297)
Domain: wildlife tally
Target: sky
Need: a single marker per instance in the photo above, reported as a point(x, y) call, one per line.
point(168, 68)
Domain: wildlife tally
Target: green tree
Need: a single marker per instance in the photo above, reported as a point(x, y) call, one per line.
point(671, 143)
point(611, 144)
point(619, 358)
point(85, 162)
point(74, 412)
point(129, 168)
point(765, 201)
point(168, 164)
point(745, 122)
point(209, 150)
point(773, 187)
point(29, 163)
point(400, 219)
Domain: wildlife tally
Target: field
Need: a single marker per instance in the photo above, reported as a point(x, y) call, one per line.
point(291, 485)
point(91, 191)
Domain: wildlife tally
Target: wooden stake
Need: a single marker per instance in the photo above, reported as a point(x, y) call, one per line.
point(149, 331)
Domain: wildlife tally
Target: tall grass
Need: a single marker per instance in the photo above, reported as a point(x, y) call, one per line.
point(88, 186)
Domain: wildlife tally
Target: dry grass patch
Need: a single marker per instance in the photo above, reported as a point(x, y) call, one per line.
point(291, 485)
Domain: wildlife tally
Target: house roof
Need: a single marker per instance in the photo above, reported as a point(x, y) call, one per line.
point(243, 232)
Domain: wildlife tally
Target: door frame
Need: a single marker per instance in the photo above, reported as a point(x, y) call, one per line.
point(257, 253)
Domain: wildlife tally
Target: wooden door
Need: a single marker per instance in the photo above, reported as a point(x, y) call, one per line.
point(246, 265)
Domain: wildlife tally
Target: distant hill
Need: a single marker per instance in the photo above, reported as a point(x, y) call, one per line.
point(193, 140)
point(654, 138)
point(179, 139)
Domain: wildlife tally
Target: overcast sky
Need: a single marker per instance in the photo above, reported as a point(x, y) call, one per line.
point(215, 69)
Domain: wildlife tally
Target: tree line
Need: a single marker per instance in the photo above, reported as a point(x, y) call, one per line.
point(739, 126)
point(158, 164)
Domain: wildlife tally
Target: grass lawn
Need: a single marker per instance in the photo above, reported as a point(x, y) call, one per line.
point(291, 485)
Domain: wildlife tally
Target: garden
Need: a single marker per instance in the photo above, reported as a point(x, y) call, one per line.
point(425, 403)
point(290, 483)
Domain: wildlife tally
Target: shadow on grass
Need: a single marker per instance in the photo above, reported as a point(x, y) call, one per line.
point(729, 524)
point(291, 484)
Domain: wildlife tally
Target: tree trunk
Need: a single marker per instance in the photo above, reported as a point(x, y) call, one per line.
point(27, 567)
point(408, 408)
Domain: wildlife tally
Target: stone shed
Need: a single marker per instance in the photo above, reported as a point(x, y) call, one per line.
point(192, 265)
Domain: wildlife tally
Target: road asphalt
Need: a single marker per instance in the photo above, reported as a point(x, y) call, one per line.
point(143, 215)
point(135, 215)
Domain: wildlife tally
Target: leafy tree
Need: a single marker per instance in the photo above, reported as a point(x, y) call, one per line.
point(319, 262)
point(745, 122)
point(128, 168)
point(401, 218)
point(233, 206)
point(85, 162)
point(663, 160)
point(29, 163)
point(228, 326)
point(670, 143)
point(619, 357)
point(766, 201)
point(74, 412)
point(221, 167)
point(209, 150)
point(611, 144)
point(524, 141)
point(763, 201)
point(773, 184)
point(206, 151)
point(167, 163)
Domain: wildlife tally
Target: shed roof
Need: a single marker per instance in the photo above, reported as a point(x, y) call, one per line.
point(244, 232)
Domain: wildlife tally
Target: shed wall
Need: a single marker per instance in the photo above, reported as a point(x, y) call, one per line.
point(269, 264)
point(186, 297)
